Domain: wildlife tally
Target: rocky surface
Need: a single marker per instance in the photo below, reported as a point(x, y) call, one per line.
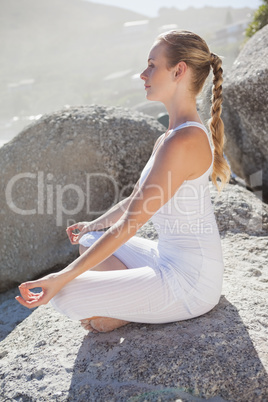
point(238, 210)
point(68, 166)
point(245, 113)
point(153, 109)
point(221, 356)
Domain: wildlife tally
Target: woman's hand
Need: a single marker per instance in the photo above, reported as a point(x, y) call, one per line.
point(50, 284)
point(83, 228)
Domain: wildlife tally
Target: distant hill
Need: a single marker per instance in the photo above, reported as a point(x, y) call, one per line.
point(56, 41)
point(203, 20)
point(57, 52)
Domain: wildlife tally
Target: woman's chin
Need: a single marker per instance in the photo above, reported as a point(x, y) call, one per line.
point(151, 97)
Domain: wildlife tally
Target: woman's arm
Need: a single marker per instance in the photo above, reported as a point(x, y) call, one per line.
point(176, 160)
point(106, 220)
point(110, 217)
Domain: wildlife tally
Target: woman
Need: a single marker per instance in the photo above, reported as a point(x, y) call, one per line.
point(121, 278)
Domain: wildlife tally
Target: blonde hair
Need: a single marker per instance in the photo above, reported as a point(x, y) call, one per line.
point(193, 50)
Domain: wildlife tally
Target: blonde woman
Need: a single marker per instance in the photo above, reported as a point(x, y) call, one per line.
point(120, 277)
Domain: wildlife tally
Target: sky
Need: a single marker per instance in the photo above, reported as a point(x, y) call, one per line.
point(150, 7)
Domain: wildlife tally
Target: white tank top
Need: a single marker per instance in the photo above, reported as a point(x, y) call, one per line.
point(186, 224)
point(149, 164)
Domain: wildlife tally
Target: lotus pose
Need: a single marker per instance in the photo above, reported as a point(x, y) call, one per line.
point(120, 277)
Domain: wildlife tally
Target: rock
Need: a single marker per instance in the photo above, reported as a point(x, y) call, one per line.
point(68, 166)
point(239, 210)
point(245, 113)
point(221, 356)
point(155, 109)
point(151, 108)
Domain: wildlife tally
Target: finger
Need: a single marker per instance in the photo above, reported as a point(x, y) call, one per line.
point(76, 226)
point(28, 304)
point(74, 238)
point(30, 296)
point(72, 227)
point(26, 291)
point(26, 294)
point(69, 232)
point(31, 284)
point(81, 234)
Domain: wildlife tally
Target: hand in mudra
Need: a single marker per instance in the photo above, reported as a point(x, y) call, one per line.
point(50, 285)
point(83, 228)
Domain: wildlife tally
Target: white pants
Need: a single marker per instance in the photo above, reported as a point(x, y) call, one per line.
point(141, 293)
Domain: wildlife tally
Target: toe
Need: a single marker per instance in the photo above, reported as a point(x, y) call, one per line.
point(86, 324)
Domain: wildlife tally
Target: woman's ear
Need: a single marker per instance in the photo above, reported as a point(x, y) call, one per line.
point(180, 69)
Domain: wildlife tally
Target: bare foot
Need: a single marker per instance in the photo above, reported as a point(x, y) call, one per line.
point(86, 325)
point(102, 324)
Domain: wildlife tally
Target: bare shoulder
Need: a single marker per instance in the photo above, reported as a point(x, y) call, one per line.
point(187, 149)
point(193, 138)
point(157, 141)
point(191, 145)
point(189, 134)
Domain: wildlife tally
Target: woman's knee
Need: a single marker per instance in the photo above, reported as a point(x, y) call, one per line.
point(56, 303)
point(90, 239)
point(65, 299)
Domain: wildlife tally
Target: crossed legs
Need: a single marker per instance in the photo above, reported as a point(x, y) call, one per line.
point(103, 324)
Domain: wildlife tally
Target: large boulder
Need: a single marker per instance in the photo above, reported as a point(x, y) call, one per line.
point(68, 166)
point(245, 113)
point(151, 108)
point(238, 210)
point(221, 356)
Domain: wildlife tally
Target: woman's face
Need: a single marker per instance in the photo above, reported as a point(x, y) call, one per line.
point(158, 80)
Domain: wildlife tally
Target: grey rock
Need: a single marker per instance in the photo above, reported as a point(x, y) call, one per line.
point(245, 113)
point(239, 210)
point(221, 356)
point(151, 108)
point(69, 166)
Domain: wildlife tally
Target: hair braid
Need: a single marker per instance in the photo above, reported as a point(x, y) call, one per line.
point(188, 47)
point(221, 168)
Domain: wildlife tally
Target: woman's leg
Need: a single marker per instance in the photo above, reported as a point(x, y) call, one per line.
point(110, 264)
point(103, 324)
point(113, 287)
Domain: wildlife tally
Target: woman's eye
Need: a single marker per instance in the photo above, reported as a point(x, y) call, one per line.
point(151, 65)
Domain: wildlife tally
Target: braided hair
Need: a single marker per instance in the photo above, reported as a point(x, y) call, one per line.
point(220, 166)
point(192, 49)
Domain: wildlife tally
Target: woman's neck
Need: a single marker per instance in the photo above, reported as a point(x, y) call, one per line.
point(180, 110)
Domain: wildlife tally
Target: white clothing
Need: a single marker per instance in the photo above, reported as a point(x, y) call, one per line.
point(177, 278)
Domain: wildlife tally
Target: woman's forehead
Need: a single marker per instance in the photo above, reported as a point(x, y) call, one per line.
point(156, 51)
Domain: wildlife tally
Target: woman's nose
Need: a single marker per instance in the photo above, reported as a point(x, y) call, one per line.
point(143, 75)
